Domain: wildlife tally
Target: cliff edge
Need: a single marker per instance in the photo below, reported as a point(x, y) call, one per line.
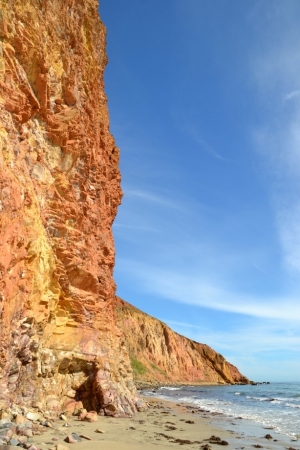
point(159, 354)
point(59, 193)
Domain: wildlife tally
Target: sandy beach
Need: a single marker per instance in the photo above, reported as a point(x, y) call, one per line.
point(164, 425)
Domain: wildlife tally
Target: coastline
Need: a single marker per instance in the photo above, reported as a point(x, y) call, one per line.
point(164, 425)
point(153, 385)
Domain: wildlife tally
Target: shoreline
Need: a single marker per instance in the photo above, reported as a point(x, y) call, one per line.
point(149, 385)
point(166, 424)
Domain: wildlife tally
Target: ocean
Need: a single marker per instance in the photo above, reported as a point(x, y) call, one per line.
point(274, 405)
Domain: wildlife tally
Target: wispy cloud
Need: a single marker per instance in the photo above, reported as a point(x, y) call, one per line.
point(150, 197)
point(195, 134)
point(260, 336)
point(292, 95)
point(275, 70)
point(131, 227)
point(289, 234)
point(209, 293)
point(186, 124)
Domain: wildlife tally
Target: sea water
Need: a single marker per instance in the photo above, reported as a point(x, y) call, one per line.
point(275, 405)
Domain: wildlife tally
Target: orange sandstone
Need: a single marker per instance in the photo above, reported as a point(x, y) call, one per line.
point(59, 193)
point(158, 353)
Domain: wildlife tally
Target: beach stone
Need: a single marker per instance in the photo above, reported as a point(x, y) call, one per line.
point(6, 424)
point(13, 441)
point(32, 416)
point(19, 419)
point(99, 431)
point(268, 436)
point(7, 434)
point(62, 447)
point(48, 424)
point(91, 416)
point(22, 439)
point(5, 415)
point(73, 438)
point(20, 429)
point(76, 436)
point(28, 433)
point(82, 414)
point(42, 420)
point(83, 436)
point(73, 407)
point(63, 417)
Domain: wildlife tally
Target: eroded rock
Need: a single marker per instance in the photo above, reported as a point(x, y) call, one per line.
point(161, 355)
point(59, 193)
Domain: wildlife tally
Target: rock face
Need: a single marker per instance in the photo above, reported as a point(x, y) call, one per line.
point(159, 354)
point(60, 345)
point(59, 193)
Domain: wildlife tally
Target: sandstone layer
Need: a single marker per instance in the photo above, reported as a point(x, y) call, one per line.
point(59, 193)
point(159, 354)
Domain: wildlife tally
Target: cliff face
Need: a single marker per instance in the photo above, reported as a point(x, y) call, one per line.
point(158, 353)
point(60, 344)
point(59, 193)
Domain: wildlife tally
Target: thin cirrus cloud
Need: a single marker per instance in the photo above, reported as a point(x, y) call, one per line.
point(289, 233)
point(292, 95)
point(149, 197)
point(186, 124)
point(208, 293)
point(275, 71)
point(256, 337)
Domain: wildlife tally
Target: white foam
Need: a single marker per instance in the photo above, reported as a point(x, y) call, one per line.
point(171, 388)
point(279, 412)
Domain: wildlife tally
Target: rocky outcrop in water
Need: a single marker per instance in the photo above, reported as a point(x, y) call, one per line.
point(59, 193)
point(158, 354)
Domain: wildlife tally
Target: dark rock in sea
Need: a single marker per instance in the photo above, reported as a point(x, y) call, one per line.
point(268, 436)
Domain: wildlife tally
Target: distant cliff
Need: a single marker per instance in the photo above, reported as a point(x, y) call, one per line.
point(159, 354)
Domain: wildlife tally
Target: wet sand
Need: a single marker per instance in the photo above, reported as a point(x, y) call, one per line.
point(164, 425)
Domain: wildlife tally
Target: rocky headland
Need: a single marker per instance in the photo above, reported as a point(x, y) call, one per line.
point(161, 356)
point(62, 347)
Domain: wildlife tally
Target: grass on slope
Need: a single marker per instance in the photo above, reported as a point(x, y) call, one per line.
point(137, 367)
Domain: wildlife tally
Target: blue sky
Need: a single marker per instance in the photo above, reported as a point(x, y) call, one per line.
point(204, 101)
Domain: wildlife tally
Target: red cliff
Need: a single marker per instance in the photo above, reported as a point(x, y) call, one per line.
point(59, 193)
point(158, 354)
